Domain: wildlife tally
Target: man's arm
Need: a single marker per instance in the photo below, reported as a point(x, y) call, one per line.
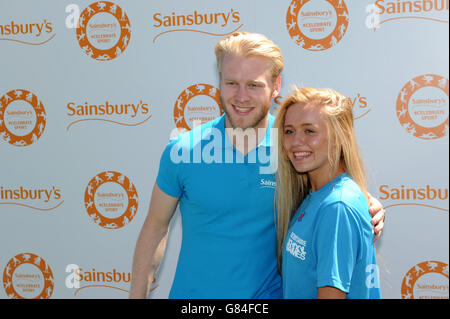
point(328, 292)
point(151, 243)
point(378, 216)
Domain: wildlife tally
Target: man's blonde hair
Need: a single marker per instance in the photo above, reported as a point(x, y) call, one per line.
point(293, 187)
point(247, 45)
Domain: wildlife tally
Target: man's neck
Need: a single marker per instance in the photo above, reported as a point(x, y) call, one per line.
point(246, 140)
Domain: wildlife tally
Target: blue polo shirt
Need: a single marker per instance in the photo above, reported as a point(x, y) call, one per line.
point(228, 245)
point(330, 243)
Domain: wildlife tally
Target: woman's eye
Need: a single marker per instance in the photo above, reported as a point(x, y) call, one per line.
point(288, 131)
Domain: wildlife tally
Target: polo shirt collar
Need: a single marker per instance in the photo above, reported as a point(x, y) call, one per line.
point(266, 142)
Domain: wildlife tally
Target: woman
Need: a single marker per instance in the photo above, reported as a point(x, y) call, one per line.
point(325, 245)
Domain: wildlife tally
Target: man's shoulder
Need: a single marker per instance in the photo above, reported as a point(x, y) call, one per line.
point(189, 139)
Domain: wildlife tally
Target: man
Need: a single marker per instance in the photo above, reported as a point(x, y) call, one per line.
point(216, 173)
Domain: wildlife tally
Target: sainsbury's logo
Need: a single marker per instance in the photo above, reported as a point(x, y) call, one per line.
point(28, 276)
point(127, 114)
point(360, 105)
point(84, 278)
point(264, 183)
point(36, 29)
point(111, 200)
point(422, 106)
point(103, 31)
point(417, 6)
point(218, 23)
point(220, 18)
point(36, 198)
point(36, 33)
point(197, 104)
point(383, 11)
point(22, 117)
point(317, 25)
point(426, 280)
point(426, 196)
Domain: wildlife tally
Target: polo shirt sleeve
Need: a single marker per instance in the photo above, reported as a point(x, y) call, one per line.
point(336, 241)
point(168, 178)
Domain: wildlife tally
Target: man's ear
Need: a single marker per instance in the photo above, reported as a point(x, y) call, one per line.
point(276, 87)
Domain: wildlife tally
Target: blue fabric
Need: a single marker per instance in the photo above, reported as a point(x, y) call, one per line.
point(227, 210)
point(330, 243)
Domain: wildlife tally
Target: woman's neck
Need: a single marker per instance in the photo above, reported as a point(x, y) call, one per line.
point(320, 179)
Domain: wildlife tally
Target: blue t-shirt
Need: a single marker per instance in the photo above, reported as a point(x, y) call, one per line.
point(330, 243)
point(228, 245)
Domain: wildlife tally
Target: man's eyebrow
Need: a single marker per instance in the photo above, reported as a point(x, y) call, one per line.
point(259, 82)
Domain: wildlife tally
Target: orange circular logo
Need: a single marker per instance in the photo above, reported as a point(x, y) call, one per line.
point(28, 276)
point(22, 117)
point(427, 280)
point(111, 200)
point(317, 25)
point(104, 30)
point(422, 106)
point(198, 104)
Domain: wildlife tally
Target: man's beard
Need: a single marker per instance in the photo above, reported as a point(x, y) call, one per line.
point(258, 118)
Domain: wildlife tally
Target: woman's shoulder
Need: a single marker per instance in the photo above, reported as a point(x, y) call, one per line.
point(346, 192)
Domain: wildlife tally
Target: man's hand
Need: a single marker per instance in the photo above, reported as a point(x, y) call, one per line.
point(378, 216)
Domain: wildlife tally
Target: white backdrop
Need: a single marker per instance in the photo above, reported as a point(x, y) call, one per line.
point(86, 112)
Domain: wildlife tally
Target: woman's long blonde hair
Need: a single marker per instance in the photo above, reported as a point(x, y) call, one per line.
point(293, 187)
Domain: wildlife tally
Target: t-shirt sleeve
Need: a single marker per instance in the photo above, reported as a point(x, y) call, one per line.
point(337, 241)
point(168, 178)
